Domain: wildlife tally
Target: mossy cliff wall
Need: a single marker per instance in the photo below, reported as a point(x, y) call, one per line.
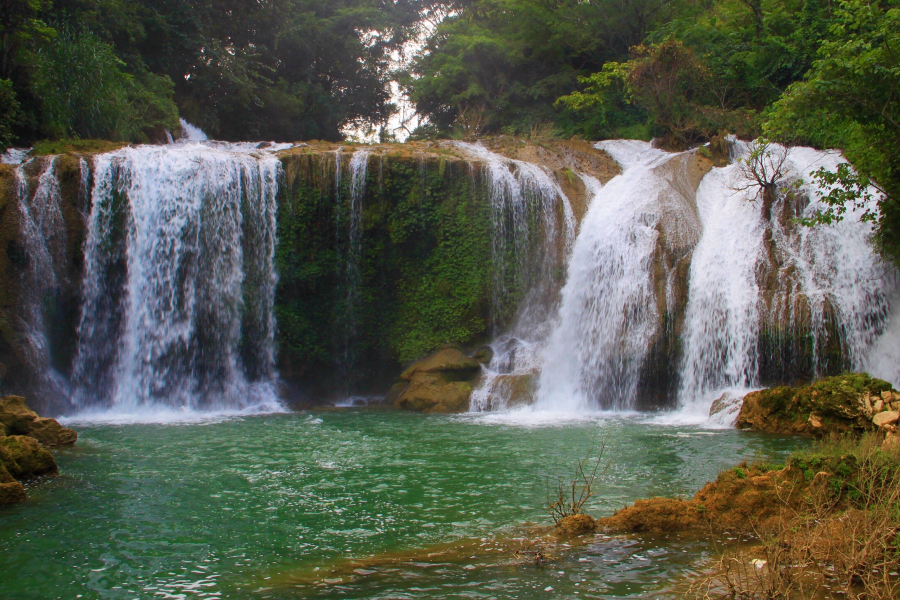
point(381, 265)
point(417, 275)
point(42, 285)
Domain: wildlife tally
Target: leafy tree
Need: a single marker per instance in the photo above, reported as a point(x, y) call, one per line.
point(500, 65)
point(9, 112)
point(849, 100)
point(85, 93)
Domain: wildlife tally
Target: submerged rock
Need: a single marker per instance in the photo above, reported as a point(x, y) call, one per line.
point(17, 419)
point(441, 382)
point(832, 405)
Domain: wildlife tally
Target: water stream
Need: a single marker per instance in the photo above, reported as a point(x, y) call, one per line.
point(179, 280)
point(688, 281)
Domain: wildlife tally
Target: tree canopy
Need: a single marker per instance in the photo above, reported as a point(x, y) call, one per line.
point(240, 69)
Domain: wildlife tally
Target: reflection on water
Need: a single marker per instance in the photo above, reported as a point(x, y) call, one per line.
point(251, 506)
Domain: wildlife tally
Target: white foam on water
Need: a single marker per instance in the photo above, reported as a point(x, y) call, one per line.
point(530, 416)
point(164, 415)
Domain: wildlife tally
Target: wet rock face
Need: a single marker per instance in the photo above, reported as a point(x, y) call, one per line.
point(17, 419)
point(845, 403)
point(439, 383)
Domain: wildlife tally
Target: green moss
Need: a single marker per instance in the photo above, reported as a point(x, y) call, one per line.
point(834, 400)
point(45, 147)
point(424, 273)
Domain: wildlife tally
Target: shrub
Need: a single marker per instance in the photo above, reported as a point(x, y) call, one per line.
point(85, 93)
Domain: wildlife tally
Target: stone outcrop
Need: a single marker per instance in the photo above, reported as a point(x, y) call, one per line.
point(439, 383)
point(17, 419)
point(24, 437)
point(24, 458)
point(841, 404)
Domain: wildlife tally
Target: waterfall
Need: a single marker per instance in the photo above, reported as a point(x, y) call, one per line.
point(533, 231)
point(179, 280)
point(692, 276)
point(190, 133)
point(610, 310)
point(755, 274)
point(359, 164)
point(43, 249)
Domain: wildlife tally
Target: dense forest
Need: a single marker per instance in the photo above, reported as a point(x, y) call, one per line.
point(815, 72)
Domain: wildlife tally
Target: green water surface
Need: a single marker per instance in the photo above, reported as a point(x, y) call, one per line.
point(258, 506)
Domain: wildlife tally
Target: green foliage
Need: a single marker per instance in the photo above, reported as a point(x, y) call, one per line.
point(425, 268)
point(855, 464)
point(500, 65)
point(9, 113)
point(287, 70)
point(740, 473)
point(86, 93)
point(849, 100)
point(845, 189)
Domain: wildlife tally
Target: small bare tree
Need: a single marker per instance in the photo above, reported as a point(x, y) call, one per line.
point(763, 169)
point(566, 496)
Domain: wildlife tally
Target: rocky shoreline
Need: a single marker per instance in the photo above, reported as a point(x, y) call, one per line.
point(24, 441)
point(840, 409)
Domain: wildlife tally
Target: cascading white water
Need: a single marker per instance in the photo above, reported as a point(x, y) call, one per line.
point(179, 280)
point(526, 203)
point(359, 165)
point(722, 317)
point(533, 231)
point(752, 271)
point(190, 133)
point(609, 312)
point(43, 237)
point(812, 273)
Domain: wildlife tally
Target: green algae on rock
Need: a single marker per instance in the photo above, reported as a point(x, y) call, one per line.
point(840, 404)
point(24, 457)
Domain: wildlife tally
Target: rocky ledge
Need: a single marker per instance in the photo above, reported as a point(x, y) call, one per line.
point(843, 404)
point(439, 383)
point(24, 439)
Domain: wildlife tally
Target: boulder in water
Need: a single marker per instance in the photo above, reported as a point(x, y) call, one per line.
point(835, 404)
point(484, 355)
point(11, 491)
point(441, 382)
point(17, 419)
point(24, 458)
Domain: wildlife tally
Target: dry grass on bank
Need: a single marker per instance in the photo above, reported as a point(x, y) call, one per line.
point(842, 541)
